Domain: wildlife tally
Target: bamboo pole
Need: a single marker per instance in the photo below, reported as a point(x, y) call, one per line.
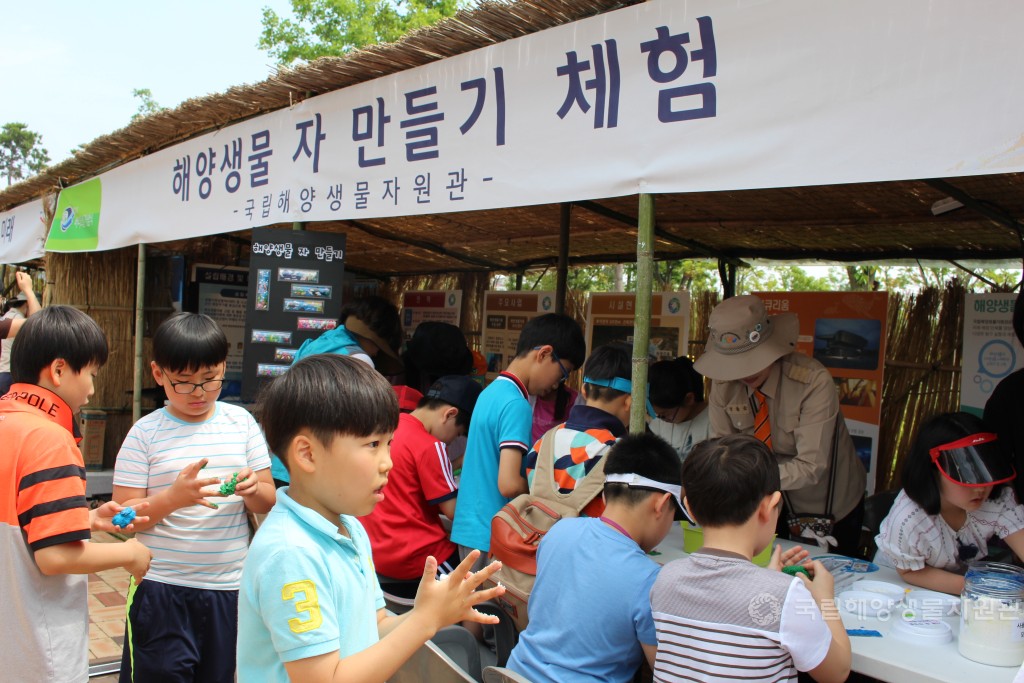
point(642, 309)
point(140, 301)
point(562, 276)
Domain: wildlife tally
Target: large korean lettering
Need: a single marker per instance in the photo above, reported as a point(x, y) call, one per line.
point(605, 84)
point(674, 45)
point(480, 85)
point(318, 137)
point(362, 129)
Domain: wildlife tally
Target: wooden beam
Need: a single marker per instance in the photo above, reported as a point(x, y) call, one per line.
point(425, 245)
point(698, 247)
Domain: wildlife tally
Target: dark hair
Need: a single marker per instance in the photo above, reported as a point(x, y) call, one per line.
point(462, 418)
point(672, 380)
point(56, 332)
point(560, 331)
point(435, 350)
point(725, 479)
point(189, 341)
point(920, 476)
point(645, 454)
point(379, 314)
point(327, 394)
point(608, 362)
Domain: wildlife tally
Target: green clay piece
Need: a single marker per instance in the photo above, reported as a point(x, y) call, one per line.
point(794, 569)
point(228, 487)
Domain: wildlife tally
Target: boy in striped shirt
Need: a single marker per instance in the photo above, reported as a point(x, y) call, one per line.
point(45, 521)
point(183, 620)
point(718, 616)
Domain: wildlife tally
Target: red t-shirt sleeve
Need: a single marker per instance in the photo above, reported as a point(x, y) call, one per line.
point(434, 469)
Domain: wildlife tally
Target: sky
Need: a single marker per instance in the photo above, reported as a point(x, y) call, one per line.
point(67, 69)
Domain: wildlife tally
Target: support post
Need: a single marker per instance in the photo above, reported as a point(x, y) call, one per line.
point(562, 276)
point(727, 273)
point(140, 303)
point(642, 312)
point(519, 281)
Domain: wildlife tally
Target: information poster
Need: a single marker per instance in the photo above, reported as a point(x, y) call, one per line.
point(221, 294)
point(991, 349)
point(845, 332)
point(610, 318)
point(437, 306)
point(296, 295)
point(505, 314)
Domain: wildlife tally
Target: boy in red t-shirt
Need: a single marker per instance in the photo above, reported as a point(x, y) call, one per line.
point(405, 527)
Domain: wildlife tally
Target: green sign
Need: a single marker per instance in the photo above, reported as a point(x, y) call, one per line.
point(76, 222)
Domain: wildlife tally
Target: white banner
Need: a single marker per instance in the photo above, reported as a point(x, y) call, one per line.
point(664, 96)
point(22, 232)
point(991, 349)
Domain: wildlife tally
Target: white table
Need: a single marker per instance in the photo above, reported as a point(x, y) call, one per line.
point(885, 658)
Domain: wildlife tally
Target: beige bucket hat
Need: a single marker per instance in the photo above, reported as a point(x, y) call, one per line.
point(743, 339)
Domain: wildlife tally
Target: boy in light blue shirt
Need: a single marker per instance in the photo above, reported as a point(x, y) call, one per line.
point(310, 607)
point(550, 347)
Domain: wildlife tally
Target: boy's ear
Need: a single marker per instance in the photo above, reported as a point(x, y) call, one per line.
point(302, 452)
point(543, 351)
point(663, 503)
point(158, 374)
point(690, 400)
point(768, 505)
point(55, 372)
point(450, 413)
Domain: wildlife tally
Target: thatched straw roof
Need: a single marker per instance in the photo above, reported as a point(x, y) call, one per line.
point(866, 221)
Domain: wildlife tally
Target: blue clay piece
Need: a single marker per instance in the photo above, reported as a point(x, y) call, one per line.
point(124, 518)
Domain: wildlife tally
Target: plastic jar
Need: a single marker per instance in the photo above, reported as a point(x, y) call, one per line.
point(992, 614)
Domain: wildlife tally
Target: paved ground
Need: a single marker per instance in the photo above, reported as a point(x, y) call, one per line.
point(107, 593)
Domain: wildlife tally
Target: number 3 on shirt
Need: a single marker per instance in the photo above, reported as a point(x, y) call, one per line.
point(309, 605)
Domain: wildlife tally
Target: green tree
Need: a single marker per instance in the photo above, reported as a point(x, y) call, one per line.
point(147, 105)
point(323, 28)
point(21, 152)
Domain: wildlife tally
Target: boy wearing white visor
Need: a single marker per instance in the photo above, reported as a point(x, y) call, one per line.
point(590, 611)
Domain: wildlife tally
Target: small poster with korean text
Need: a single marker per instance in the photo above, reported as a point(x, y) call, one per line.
point(991, 349)
point(297, 282)
point(435, 305)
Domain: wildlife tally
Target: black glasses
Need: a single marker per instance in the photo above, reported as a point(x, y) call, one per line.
point(554, 357)
point(668, 416)
point(189, 387)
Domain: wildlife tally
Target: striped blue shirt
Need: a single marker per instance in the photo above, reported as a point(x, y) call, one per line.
point(194, 546)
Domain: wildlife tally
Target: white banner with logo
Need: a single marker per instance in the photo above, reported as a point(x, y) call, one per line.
point(23, 232)
point(664, 96)
point(991, 349)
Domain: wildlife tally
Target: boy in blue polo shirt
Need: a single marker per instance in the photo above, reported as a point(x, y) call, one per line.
point(550, 347)
point(310, 607)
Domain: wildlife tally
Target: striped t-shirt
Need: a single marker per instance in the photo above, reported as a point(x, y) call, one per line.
point(719, 617)
point(194, 546)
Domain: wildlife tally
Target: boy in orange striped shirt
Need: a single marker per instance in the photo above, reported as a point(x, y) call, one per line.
point(45, 522)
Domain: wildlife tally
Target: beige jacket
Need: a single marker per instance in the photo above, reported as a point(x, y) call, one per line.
point(803, 407)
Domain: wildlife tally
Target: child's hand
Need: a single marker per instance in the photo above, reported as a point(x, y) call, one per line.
point(187, 490)
point(822, 586)
point(24, 281)
point(139, 564)
point(100, 518)
point(795, 555)
point(451, 599)
point(247, 483)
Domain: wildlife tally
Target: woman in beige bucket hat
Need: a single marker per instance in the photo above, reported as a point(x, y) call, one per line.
point(752, 357)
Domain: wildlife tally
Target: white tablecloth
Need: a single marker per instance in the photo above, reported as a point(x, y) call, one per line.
point(886, 658)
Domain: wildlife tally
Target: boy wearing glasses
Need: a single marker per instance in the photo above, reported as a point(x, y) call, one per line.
point(550, 347)
point(182, 621)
